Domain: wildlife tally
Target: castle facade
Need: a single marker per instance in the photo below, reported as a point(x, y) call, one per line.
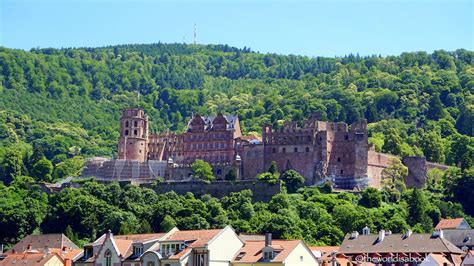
point(317, 149)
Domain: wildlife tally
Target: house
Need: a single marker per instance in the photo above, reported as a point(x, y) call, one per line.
point(47, 249)
point(458, 223)
point(393, 248)
point(468, 259)
point(58, 241)
point(110, 250)
point(461, 238)
point(212, 247)
point(45, 256)
point(274, 252)
point(33, 258)
point(327, 255)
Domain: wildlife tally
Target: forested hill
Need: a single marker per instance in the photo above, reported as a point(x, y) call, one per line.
point(67, 102)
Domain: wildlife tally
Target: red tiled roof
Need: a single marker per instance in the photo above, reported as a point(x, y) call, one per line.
point(42, 241)
point(30, 259)
point(67, 254)
point(449, 223)
point(199, 237)
point(325, 248)
point(252, 250)
point(140, 237)
point(124, 246)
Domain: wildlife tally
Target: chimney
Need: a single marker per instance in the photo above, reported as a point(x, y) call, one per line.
point(408, 233)
point(438, 233)
point(268, 239)
point(381, 236)
point(354, 235)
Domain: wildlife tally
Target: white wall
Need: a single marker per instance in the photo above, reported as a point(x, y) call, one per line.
point(150, 257)
point(223, 248)
point(101, 256)
point(468, 261)
point(429, 261)
point(301, 251)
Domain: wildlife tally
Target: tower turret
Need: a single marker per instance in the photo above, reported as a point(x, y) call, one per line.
point(133, 143)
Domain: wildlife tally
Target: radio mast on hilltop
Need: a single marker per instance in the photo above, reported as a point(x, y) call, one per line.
point(195, 32)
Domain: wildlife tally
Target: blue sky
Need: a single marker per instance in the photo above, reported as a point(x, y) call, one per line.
point(313, 28)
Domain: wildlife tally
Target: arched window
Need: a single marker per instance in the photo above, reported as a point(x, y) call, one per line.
point(126, 124)
point(307, 149)
point(108, 257)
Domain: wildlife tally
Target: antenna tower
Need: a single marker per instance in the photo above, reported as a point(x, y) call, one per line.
point(195, 32)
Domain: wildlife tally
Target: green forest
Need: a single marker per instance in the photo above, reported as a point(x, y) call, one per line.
point(61, 106)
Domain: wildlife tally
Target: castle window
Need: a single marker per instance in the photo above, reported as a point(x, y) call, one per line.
point(342, 172)
point(219, 171)
point(338, 159)
point(346, 137)
point(139, 151)
point(296, 149)
point(283, 150)
point(307, 149)
point(135, 124)
point(135, 132)
point(126, 123)
point(274, 150)
point(126, 132)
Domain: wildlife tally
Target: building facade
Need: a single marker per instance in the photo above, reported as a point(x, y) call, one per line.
point(320, 151)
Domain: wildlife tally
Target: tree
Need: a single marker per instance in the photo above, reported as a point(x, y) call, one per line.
point(417, 209)
point(393, 142)
point(393, 177)
point(202, 171)
point(433, 147)
point(268, 178)
point(435, 108)
point(231, 174)
point(371, 198)
point(12, 165)
point(42, 170)
point(167, 224)
point(293, 180)
point(274, 169)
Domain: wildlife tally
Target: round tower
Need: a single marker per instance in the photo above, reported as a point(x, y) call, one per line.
point(133, 143)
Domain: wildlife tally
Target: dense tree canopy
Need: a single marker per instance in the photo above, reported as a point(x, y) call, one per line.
point(59, 106)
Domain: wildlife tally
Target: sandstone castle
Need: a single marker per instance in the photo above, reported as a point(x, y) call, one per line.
point(318, 150)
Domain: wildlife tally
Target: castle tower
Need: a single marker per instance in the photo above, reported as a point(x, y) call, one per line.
point(133, 143)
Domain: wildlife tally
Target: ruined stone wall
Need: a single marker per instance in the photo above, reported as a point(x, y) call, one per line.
point(376, 162)
point(125, 170)
point(261, 191)
point(252, 156)
point(417, 170)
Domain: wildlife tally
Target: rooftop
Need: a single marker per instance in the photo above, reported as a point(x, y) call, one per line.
point(252, 250)
point(451, 223)
point(397, 243)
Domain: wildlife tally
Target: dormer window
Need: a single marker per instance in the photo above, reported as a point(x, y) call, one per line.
point(88, 252)
point(137, 250)
point(268, 255)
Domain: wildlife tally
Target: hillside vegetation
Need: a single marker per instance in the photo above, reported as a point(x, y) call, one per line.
point(59, 106)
